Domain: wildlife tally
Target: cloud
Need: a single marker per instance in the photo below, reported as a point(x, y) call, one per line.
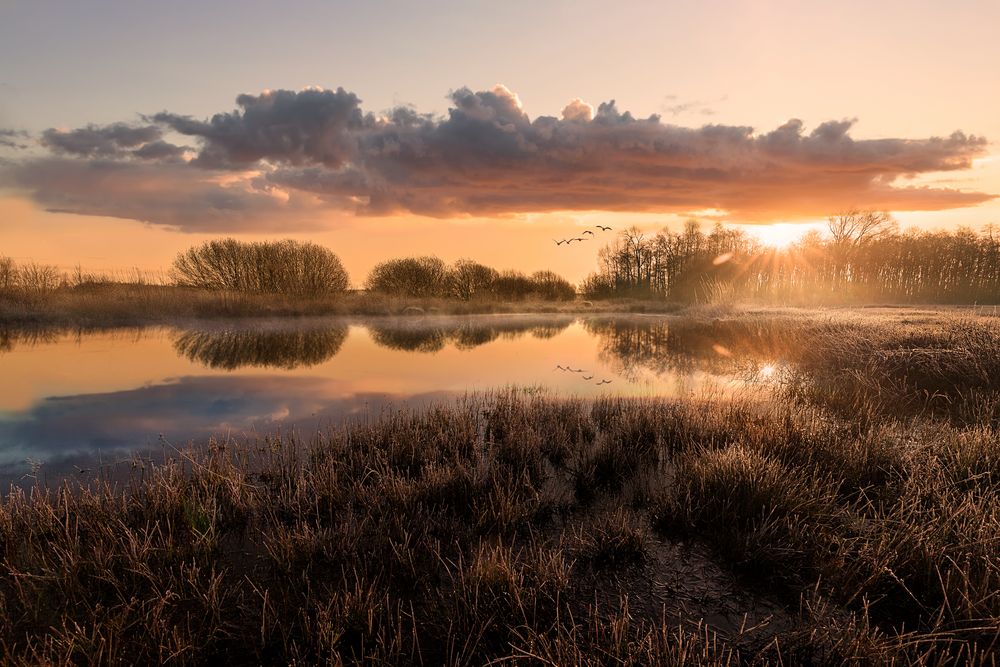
point(703, 107)
point(488, 158)
point(312, 126)
point(85, 428)
point(319, 150)
point(578, 111)
point(172, 194)
point(118, 140)
point(13, 139)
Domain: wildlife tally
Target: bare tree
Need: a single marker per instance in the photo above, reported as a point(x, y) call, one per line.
point(855, 228)
point(410, 276)
point(284, 267)
point(551, 286)
point(8, 274)
point(469, 279)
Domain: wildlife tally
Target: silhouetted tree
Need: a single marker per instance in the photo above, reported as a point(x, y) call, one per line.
point(282, 267)
point(864, 258)
point(410, 276)
point(28, 277)
point(855, 228)
point(551, 286)
point(8, 274)
point(466, 279)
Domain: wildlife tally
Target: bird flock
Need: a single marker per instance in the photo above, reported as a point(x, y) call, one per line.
point(582, 236)
point(570, 369)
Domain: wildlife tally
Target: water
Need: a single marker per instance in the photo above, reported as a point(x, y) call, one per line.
point(72, 402)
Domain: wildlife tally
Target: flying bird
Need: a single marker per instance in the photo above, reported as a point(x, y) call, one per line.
point(588, 232)
point(603, 228)
point(588, 377)
point(603, 382)
point(560, 242)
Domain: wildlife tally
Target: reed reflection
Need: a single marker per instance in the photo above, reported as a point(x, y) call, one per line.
point(10, 337)
point(230, 349)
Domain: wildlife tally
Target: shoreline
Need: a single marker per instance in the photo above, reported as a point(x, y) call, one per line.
point(126, 305)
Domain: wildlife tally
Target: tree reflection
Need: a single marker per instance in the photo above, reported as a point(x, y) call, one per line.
point(433, 335)
point(229, 349)
point(410, 339)
point(682, 345)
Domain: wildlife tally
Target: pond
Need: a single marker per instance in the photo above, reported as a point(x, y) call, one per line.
point(74, 402)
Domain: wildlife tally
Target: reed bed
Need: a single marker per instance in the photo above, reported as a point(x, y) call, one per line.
point(505, 528)
point(130, 304)
point(851, 519)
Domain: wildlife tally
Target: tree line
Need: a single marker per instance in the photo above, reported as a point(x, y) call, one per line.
point(465, 280)
point(299, 268)
point(292, 267)
point(864, 257)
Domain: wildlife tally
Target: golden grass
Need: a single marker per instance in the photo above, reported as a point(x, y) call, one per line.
point(126, 304)
point(862, 502)
point(472, 533)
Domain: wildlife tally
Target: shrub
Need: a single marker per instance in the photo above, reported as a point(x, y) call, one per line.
point(30, 277)
point(8, 274)
point(551, 286)
point(409, 276)
point(465, 280)
point(597, 286)
point(513, 285)
point(281, 267)
point(468, 280)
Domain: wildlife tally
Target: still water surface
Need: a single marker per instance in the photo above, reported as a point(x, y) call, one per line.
point(70, 401)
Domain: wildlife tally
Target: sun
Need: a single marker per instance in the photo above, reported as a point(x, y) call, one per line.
point(779, 234)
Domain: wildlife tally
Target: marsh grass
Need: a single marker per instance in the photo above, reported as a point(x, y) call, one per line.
point(467, 533)
point(502, 529)
point(130, 303)
point(860, 363)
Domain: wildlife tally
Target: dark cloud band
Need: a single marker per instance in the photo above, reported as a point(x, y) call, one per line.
point(488, 157)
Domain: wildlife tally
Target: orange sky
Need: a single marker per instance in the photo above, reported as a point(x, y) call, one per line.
point(907, 71)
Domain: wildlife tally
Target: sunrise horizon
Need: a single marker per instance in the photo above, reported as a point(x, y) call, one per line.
point(487, 158)
point(535, 332)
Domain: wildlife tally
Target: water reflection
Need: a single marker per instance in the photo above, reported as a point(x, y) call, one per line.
point(635, 344)
point(67, 430)
point(68, 395)
point(433, 334)
point(229, 349)
point(10, 337)
point(674, 345)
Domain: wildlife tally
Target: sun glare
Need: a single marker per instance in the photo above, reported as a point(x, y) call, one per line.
point(778, 235)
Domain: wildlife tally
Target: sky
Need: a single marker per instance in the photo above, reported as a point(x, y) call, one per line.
point(132, 130)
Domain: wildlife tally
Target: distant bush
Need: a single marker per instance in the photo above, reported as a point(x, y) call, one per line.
point(30, 277)
point(279, 267)
point(599, 286)
point(410, 276)
point(513, 285)
point(8, 274)
point(465, 280)
point(551, 286)
point(468, 280)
